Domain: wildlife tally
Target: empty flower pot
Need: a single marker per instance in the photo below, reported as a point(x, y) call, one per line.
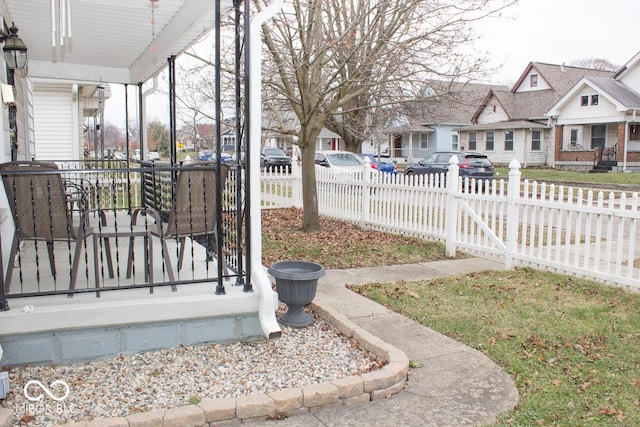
point(296, 284)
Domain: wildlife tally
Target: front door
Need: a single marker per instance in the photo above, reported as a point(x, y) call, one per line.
point(598, 136)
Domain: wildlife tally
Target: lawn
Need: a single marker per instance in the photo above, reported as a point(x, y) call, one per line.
point(556, 175)
point(571, 346)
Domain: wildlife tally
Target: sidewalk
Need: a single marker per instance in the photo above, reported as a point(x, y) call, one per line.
point(455, 385)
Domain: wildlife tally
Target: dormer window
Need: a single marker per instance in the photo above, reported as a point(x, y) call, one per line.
point(534, 80)
point(584, 100)
point(595, 99)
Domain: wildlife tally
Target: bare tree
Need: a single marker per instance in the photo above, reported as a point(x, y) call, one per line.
point(335, 63)
point(594, 64)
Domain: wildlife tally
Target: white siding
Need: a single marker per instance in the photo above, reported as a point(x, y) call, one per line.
point(525, 86)
point(572, 111)
point(53, 119)
point(492, 113)
point(632, 78)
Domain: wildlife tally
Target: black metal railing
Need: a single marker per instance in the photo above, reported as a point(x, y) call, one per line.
point(117, 234)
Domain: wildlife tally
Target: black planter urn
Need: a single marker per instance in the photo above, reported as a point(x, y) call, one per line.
point(296, 284)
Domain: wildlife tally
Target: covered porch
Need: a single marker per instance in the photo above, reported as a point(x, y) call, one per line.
point(123, 290)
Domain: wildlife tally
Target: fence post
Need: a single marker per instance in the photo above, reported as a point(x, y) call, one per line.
point(366, 192)
point(513, 214)
point(296, 183)
point(451, 215)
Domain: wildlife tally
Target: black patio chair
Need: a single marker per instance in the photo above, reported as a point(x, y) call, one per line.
point(42, 211)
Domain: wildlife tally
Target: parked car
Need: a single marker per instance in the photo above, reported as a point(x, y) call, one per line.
point(117, 155)
point(136, 155)
point(344, 162)
point(210, 155)
point(274, 158)
point(153, 155)
point(472, 165)
point(382, 162)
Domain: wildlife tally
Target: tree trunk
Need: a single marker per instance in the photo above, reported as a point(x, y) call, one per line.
point(310, 213)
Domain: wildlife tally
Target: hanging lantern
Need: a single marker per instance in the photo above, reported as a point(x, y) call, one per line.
point(153, 26)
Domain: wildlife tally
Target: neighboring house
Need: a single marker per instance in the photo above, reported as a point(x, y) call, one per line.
point(596, 121)
point(512, 124)
point(429, 123)
point(62, 113)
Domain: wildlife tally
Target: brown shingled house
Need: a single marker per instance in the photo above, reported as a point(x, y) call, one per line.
point(512, 124)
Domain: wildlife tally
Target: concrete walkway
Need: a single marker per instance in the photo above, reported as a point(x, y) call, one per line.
point(455, 385)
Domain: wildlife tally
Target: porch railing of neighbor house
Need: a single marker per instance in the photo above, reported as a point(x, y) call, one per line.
point(576, 231)
point(129, 254)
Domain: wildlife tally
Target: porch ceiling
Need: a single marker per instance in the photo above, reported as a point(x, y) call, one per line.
point(110, 39)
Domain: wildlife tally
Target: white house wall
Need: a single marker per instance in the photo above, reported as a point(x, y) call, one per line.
point(525, 86)
point(492, 113)
point(574, 113)
point(631, 78)
point(521, 147)
point(54, 122)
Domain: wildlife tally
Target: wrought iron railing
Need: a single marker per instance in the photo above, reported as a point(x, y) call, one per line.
point(103, 247)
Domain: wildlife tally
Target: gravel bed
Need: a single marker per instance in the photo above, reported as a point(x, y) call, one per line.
point(181, 376)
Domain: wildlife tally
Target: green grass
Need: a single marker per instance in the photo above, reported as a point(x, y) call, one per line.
point(542, 174)
point(571, 346)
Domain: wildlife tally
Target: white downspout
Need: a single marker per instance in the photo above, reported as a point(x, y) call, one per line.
point(626, 141)
point(145, 95)
point(268, 302)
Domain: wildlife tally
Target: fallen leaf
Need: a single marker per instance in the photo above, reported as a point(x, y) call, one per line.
point(557, 383)
point(607, 410)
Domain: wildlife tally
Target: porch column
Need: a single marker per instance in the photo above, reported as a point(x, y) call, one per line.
point(622, 141)
point(558, 142)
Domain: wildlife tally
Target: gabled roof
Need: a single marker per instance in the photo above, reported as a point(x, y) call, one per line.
point(626, 67)
point(559, 77)
point(532, 105)
point(621, 95)
point(447, 103)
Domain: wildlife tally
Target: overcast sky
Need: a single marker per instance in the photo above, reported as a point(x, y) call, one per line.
point(557, 31)
point(550, 31)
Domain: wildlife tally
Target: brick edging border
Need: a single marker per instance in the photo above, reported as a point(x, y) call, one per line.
point(370, 386)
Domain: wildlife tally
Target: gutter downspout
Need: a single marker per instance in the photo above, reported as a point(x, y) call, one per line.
point(145, 147)
point(268, 299)
point(626, 141)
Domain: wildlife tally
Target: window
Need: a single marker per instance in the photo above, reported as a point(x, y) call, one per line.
point(598, 134)
point(508, 140)
point(472, 141)
point(584, 100)
point(489, 142)
point(595, 99)
point(454, 141)
point(536, 140)
point(574, 137)
point(424, 140)
point(534, 80)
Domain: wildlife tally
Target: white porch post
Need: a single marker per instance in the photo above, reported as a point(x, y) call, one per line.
point(451, 216)
point(268, 299)
point(513, 194)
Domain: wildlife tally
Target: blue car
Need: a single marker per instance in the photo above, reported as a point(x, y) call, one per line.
point(382, 163)
point(210, 155)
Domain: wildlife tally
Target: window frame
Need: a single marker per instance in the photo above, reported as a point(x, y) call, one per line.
point(533, 82)
point(536, 143)
point(508, 142)
point(473, 142)
point(572, 132)
point(491, 140)
point(455, 144)
point(584, 100)
point(595, 99)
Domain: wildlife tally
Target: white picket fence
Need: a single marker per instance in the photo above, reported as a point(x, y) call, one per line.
point(582, 232)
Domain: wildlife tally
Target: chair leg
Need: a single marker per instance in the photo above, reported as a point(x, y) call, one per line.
point(74, 267)
point(12, 256)
point(182, 242)
point(52, 262)
point(167, 261)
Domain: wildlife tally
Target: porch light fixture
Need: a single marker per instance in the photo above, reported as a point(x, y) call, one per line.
point(15, 51)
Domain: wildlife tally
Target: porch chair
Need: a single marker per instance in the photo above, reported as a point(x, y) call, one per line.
point(193, 212)
point(42, 211)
